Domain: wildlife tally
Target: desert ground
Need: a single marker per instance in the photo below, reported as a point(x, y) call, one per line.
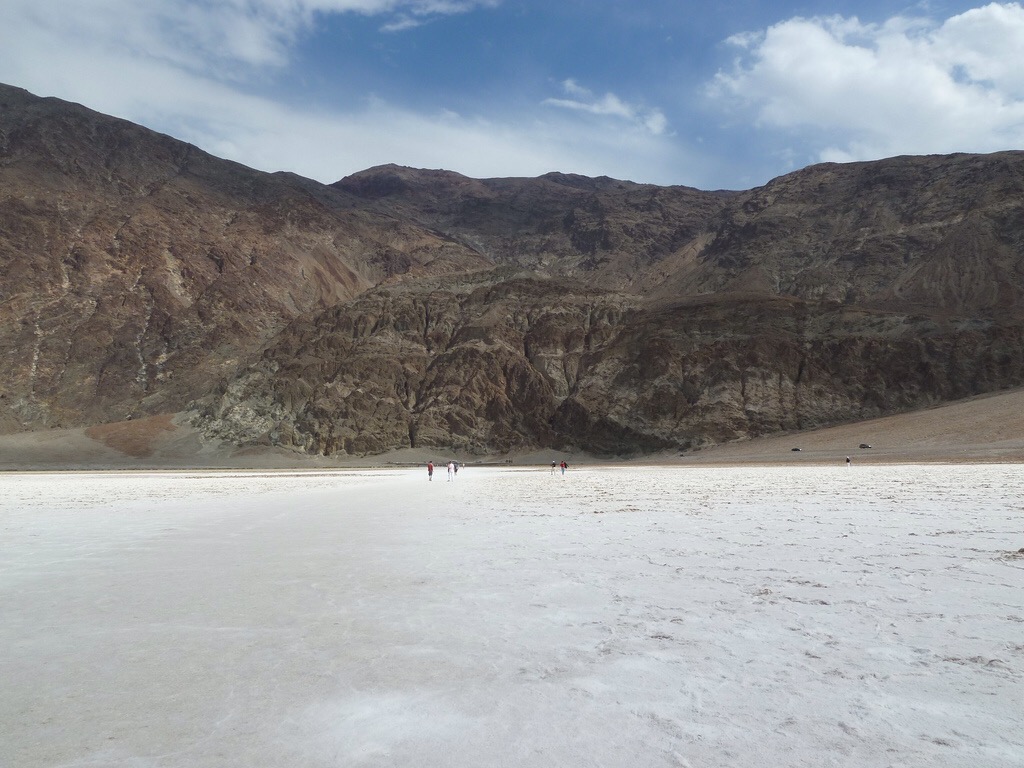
point(704, 616)
point(988, 428)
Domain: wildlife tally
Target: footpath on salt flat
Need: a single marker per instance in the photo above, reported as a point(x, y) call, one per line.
point(788, 616)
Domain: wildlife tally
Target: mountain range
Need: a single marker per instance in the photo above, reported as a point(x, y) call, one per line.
point(400, 308)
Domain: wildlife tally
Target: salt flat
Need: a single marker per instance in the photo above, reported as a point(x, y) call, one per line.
point(749, 616)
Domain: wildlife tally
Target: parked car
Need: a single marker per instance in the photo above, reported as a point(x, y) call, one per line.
point(864, 445)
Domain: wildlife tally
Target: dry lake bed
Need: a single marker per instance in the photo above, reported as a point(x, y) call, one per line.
point(633, 616)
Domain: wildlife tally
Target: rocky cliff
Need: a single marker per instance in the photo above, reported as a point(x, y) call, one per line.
point(525, 362)
point(402, 308)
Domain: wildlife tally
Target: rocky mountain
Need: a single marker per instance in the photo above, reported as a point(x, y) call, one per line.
point(409, 308)
point(136, 269)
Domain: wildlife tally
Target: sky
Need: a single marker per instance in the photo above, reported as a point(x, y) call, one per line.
point(715, 95)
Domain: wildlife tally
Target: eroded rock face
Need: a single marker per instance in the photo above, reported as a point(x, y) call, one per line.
point(401, 307)
point(536, 363)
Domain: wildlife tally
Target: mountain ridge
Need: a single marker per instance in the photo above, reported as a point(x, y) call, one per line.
point(401, 307)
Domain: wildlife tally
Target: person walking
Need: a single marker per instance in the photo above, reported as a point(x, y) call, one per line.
point(430, 470)
point(451, 471)
point(553, 465)
point(564, 466)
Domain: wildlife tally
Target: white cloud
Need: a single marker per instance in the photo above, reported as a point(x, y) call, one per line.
point(584, 100)
point(572, 88)
point(329, 146)
point(908, 86)
point(202, 34)
point(987, 43)
point(401, 23)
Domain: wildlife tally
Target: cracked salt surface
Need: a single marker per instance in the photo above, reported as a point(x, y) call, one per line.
point(633, 616)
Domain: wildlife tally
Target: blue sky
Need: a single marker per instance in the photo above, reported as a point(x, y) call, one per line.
point(713, 95)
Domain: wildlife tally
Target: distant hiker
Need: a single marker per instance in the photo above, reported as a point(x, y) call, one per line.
point(430, 470)
point(451, 470)
point(564, 466)
point(456, 467)
point(847, 461)
point(553, 465)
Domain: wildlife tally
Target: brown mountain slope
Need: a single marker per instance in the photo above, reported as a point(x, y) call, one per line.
point(834, 294)
point(136, 269)
point(604, 232)
point(938, 234)
point(935, 233)
point(403, 308)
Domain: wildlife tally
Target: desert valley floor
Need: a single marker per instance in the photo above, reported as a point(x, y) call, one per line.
point(616, 616)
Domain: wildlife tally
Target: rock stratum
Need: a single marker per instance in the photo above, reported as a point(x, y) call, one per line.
point(403, 308)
